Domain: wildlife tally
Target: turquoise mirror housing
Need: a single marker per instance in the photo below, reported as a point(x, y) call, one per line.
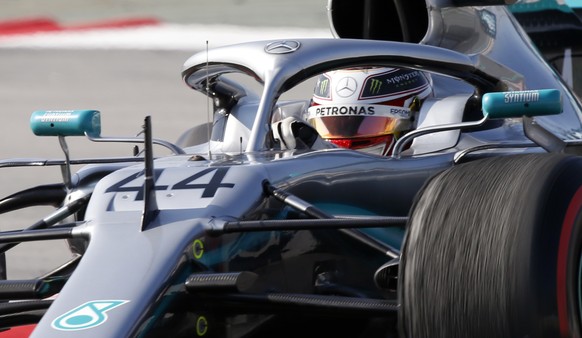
point(66, 123)
point(522, 103)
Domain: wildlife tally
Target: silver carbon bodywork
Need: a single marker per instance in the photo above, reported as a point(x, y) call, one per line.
point(236, 202)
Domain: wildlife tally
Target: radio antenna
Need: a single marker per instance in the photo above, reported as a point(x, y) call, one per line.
point(208, 114)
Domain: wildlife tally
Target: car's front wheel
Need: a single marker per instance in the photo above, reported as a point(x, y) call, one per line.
point(493, 249)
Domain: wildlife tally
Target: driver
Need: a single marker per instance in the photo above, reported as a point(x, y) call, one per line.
point(367, 109)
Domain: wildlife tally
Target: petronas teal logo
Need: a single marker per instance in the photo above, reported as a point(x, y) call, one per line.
point(375, 86)
point(86, 316)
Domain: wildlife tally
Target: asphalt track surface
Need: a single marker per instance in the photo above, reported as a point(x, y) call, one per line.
point(125, 81)
point(269, 13)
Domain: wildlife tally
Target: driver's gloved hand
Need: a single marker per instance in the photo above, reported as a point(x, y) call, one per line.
point(296, 134)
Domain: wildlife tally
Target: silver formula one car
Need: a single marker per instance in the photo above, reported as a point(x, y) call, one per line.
point(472, 227)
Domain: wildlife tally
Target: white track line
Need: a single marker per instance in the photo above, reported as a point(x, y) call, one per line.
point(158, 37)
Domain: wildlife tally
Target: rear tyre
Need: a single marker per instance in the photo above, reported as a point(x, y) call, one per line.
point(493, 249)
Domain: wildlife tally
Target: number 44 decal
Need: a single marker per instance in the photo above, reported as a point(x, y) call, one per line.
point(208, 189)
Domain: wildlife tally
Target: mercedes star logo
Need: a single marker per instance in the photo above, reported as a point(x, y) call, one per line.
point(282, 47)
point(346, 87)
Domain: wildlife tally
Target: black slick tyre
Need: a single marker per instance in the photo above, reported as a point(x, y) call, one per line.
point(493, 249)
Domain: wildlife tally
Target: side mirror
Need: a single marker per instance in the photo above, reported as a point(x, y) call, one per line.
point(522, 103)
point(526, 105)
point(63, 123)
point(66, 123)
point(501, 105)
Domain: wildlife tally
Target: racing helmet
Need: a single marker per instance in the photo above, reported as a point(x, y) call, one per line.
point(367, 109)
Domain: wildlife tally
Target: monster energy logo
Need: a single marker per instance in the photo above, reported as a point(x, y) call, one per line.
point(375, 86)
point(323, 86)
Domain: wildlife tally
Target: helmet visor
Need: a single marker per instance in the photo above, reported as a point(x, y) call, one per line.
point(348, 121)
